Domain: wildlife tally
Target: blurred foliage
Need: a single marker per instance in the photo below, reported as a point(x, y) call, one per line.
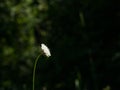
point(83, 37)
point(17, 43)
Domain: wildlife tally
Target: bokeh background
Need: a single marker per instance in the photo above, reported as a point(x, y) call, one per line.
point(83, 37)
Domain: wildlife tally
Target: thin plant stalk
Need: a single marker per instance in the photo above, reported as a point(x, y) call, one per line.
point(93, 73)
point(35, 64)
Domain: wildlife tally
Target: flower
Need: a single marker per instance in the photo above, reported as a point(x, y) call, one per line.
point(45, 50)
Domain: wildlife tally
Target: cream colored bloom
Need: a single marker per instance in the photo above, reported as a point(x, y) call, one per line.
point(46, 50)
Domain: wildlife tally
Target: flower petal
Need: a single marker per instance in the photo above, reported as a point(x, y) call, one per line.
point(46, 50)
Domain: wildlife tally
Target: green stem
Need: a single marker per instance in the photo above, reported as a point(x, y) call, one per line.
point(34, 71)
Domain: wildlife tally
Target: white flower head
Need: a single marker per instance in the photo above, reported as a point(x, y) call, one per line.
point(45, 50)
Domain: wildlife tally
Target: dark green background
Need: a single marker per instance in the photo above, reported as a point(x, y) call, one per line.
point(83, 37)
